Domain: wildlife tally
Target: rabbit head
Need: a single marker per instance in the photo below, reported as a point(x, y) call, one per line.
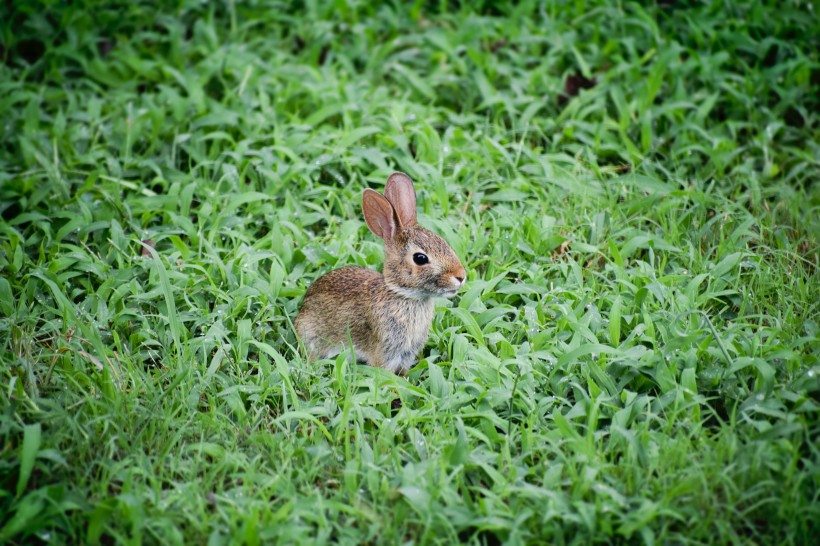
point(418, 264)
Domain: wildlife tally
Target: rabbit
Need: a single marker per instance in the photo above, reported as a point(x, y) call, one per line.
point(387, 317)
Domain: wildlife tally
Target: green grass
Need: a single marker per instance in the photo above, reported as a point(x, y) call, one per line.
point(633, 190)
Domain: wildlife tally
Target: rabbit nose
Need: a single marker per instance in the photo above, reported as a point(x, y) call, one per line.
point(459, 278)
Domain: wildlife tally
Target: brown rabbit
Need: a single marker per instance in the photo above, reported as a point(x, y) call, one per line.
point(386, 316)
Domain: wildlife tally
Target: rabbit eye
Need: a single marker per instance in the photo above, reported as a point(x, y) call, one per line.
point(420, 259)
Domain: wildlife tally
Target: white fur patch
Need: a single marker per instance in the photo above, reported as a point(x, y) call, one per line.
point(406, 333)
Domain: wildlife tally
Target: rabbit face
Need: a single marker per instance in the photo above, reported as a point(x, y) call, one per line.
point(422, 265)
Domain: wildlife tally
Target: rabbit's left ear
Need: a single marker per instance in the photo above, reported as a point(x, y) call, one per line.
point(379, 215)
point(400, 192)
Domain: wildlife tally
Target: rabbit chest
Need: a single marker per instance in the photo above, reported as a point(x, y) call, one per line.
point(406, 327)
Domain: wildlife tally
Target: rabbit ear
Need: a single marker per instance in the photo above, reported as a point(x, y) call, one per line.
point(400, 192)
point(379, 215)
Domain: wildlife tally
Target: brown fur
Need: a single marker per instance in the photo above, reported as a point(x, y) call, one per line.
point(387, 317)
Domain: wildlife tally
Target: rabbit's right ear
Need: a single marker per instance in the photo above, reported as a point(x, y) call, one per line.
point(379, 215)
point(400, 192)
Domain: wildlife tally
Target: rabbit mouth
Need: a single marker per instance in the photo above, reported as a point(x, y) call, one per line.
point(441, 292)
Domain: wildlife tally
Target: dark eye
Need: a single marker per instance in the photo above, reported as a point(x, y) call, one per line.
point(420, 259)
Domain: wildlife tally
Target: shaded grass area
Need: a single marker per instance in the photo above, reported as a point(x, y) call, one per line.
point(632, 190)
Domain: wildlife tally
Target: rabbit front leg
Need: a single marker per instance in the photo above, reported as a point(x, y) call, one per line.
point(401, 363)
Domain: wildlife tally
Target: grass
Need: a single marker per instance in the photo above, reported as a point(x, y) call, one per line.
point(632, 189)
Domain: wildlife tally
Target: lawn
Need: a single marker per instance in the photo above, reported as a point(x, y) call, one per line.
point(632, 188)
